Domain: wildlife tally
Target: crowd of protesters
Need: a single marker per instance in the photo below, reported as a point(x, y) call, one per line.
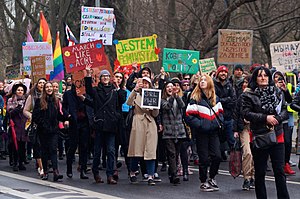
point(55, 118)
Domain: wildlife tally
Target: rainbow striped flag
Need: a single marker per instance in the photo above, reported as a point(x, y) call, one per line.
point(58, 71)
point(44, 34)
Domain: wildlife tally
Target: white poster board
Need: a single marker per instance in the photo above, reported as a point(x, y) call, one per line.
point(31, 49)
point(97, 24)
point(285, 56)
point(151, 98)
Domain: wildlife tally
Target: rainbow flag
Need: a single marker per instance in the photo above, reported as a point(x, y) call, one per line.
point(44, 34)
point(58, 71)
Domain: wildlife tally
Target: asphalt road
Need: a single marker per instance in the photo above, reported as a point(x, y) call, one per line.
point(26, 184)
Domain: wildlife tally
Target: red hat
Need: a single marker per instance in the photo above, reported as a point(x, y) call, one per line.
point(221, 68)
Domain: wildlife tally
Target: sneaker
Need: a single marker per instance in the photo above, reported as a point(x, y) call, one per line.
point(246, 185)
point(156, 178)
point(292, 164)
point(252, 183)
point(151, 182)
point(205, 187)
point(288, 170)
point(213, 183)
point(133, 179)
point(145, 178)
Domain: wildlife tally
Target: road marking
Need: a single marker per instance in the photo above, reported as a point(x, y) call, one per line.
point(9, 191)
point(63, 187)
point(52, 192)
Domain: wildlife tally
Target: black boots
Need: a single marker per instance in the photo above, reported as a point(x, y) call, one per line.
point(185, 175)
point(83, 175)
point(56, 175)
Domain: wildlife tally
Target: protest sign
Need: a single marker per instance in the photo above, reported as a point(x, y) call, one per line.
point(79, 56)
point(285, 56)
point(151, 98)
point(235, 46)
point(181, 61)
point(97, 24)
point(12, 71)
point(207, 65)
point(140, 50)
point(31, 49)
point(38, 64)
point(78, 79)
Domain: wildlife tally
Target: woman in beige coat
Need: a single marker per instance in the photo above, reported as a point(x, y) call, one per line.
point(143, 137)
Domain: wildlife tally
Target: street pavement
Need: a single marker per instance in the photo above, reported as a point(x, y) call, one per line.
point(26, 184)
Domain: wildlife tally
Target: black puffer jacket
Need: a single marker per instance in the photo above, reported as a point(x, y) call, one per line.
point(238, 115)
point(108, 117)
point(254, 113)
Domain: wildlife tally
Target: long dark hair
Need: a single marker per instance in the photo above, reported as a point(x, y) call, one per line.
point(253, 84)
point(45, 97)
point(123, 79)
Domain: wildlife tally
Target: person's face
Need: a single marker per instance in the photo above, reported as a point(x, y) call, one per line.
point(48, 88)
point(105, 79)
point(40, 85)
point(64, 87)
point(1, 86)
point(185, 86)
point(169, 89)
point(146, 84)
point(145, 73)
point(176, 88)
point(245, 84)
point(187, 77)
point(238, 73)
point(69, 80)
point(276, 78)
point(222, 75)
point(118, 78)
point(203, 82)
point(55, 87)
point(262, 79)
point(20, 91)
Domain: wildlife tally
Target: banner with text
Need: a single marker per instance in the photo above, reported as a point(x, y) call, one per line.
point(151, 98)
point(31, 49)
point(181, 61)
point(207, 65)
point(285, 56)
point(97, 24)
point(13, 71)
point(79, 56)
point(140, 50)
point(38, 64)
point(235, 46)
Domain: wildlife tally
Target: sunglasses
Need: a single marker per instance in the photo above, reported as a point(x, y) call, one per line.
point(187, 78)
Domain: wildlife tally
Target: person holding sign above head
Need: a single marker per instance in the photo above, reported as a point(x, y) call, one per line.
point(173, 128)
point(204, 114)
point(143, 137)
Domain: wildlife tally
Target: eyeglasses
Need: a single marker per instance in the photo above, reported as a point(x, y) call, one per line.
point(185, 84)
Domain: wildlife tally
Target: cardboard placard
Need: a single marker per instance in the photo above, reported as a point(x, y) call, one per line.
point(181, 61)
point(151, 98)
point(77, 57)
point(235, 46)
point(13, 71)
point(285, 56)
point(31, 49)
point(207, 65)
point(140, 50)
point(97, 24)
point(38, 64)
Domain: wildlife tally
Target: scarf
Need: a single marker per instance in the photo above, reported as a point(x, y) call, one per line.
point(268, 98)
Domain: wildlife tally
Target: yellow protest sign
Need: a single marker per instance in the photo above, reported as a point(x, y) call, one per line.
point(140, 50)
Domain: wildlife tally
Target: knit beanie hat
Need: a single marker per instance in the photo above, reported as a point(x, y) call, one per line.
point(238, 66)
point(104, 72)
point(221, 68)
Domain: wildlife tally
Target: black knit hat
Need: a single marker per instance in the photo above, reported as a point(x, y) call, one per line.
point(238, 66)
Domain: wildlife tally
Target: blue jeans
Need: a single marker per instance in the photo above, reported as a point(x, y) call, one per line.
point(104, 139)
point(228, 126)
point(150, 165)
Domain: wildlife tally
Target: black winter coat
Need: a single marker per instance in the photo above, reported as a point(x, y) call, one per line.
point(108, 117)
point(227, 97)
point(238, 115)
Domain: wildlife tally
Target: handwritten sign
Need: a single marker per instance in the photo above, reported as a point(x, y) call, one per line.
point(31, 49)
point(151, 98)
point(139, 50)
point(97, 24)
point(286, 56)
point(38, 64)
point(182, 61)
point(235, 46)
point(207, 65)
point(12, 72)
point(79, 56)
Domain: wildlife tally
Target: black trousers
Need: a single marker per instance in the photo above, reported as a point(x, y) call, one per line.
point(49, 149)
point(172, 148)
point(288, 132)
point(208, 145)
point(260, 158)
point(78, 137)
point(19, 156)
point(184, 156)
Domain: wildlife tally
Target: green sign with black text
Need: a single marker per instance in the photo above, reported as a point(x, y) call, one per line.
point(181, 61)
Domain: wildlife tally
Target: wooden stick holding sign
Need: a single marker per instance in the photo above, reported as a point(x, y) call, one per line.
point(151, 98)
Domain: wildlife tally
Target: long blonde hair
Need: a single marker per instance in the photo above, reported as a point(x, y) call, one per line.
point(209, 91)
